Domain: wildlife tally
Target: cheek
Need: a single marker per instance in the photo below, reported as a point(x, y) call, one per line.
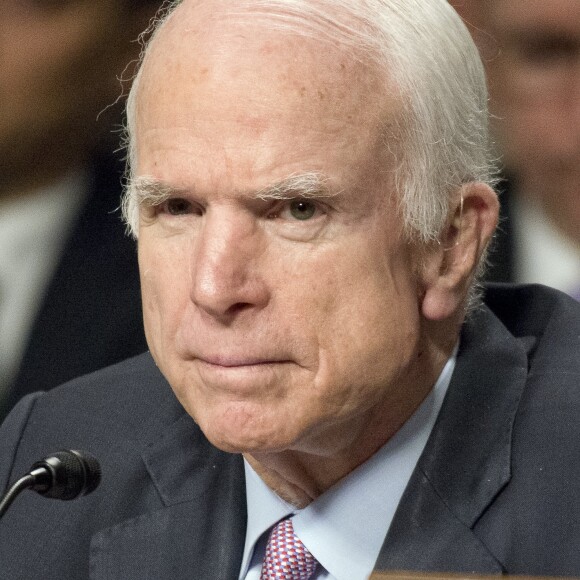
point(371, 342)
point(369, 328)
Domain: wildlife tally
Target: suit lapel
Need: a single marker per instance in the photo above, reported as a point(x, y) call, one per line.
point(200, 531)
point(466, 461)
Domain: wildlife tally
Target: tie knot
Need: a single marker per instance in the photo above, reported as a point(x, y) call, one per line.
point(287, 558)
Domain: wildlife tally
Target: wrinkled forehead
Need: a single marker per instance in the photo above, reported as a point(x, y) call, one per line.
point(241, 43)
point(326, 20)
point(242, 97)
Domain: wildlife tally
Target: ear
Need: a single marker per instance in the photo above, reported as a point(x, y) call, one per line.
point(449, 266)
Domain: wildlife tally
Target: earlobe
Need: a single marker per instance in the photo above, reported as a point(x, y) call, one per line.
point(450, 266)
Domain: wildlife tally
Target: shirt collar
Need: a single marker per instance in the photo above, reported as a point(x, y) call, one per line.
point(346, 526)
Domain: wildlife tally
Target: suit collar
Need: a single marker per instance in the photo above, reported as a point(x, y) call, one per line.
point(466, 461)
point(201, 528)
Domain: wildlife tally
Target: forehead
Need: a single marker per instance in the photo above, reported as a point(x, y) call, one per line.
point(210, 47)
point(222, 85)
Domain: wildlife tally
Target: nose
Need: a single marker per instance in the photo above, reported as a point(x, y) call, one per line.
point(226, 261)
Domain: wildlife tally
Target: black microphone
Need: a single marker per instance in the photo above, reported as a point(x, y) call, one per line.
point(63, 475)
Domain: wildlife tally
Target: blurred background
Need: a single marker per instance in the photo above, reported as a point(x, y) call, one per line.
point(531, 50)
point(69, 291)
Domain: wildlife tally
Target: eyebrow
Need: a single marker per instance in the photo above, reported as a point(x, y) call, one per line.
point(151, 191)
point(309, 185)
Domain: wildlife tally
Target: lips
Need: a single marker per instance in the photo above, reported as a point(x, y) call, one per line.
point(242, 376)
point(229, 361)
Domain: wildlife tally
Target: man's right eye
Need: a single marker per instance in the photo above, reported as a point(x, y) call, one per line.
point(177, 206)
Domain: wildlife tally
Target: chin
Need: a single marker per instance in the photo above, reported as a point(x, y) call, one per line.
point(233, 443)
point(244, 426)
point(246, 436)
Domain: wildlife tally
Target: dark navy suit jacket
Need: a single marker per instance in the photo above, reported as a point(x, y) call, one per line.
point(496, 490)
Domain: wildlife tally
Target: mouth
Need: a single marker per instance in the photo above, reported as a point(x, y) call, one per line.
point(232, 362)
point(242, 376)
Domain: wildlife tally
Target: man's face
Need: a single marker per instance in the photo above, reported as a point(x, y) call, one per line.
point(59, 60)
point(535, 86)
point(280, 323)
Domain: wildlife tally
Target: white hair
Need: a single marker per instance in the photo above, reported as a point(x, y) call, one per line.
point(424, 48)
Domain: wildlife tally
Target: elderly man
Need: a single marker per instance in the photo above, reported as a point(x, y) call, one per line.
point(309, 184)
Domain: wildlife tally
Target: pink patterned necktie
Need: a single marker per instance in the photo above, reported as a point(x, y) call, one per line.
point(287, 558)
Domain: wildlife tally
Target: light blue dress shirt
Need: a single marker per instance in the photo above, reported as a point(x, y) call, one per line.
point(346, 526)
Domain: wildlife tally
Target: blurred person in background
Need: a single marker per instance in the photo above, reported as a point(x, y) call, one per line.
point(69, 291)
point(531, 49)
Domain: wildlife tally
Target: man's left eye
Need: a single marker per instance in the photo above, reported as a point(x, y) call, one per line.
point(298, 209)
point(302, 209)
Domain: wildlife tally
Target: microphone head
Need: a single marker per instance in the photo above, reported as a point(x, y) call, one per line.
point(70, 473)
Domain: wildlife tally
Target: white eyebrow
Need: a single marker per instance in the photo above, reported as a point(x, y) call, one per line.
point(308, 185)
point(150, 191)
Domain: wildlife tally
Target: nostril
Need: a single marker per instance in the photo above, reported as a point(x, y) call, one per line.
point(236, 309)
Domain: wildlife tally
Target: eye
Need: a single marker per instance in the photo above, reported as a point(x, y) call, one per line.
point(301, 209)
point(297, 210)
point(177, 206)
